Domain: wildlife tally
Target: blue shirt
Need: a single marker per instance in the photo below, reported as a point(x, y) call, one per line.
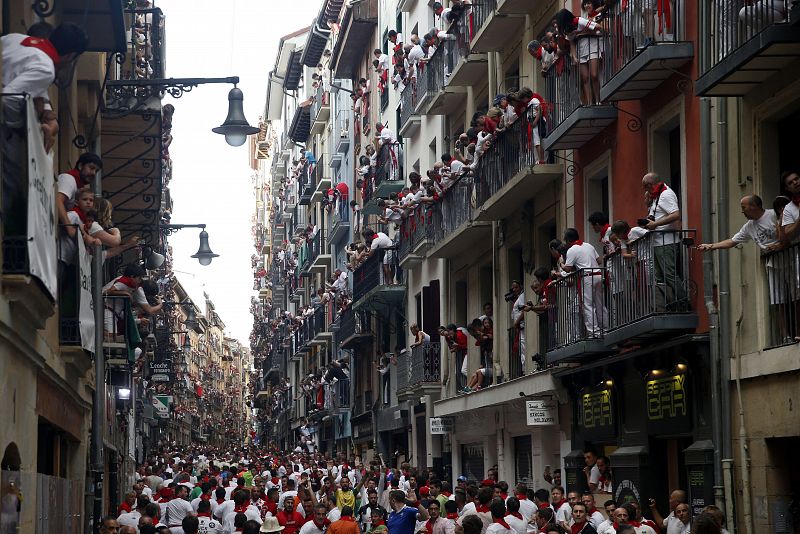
point(402, 522)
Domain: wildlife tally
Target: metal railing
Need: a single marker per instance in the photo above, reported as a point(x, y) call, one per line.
point(455, 207)
point(460, 378)
point(481, 11)
point(340, 213)
point(403, 371)
point(509, 152)
point(420, 226)
point(578, 311)
point(147, 57)
point(388, 165)
point(783, 295)
point(342, 393)
point(321, 98)
point(351, 323)
point(632, 25)
point(307, 182)
point(408, 102)
point(425, 363)
point(385, 98)
point(370, 274)
point(655, 278)
point(727, 26)
point(562, 90)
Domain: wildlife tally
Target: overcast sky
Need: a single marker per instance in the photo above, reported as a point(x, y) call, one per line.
point(211, 181)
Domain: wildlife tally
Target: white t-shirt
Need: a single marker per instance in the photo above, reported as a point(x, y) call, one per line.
point(341, 282)
point(129, 519)
point(582, 256)
point(564, 513)
point(68, 246)
point(415, 54)
point(497, 528)
point(517, 525)
point(25, 69)
point(209, 525)
point(762, 231)
point(392, 215)
point(675, 525)
point(596, 519)
point(67, 186)
point(635, 233)
point(665, 204)
point(527, 508)
point(310, 528)
point(384, 62)
point(177, 509)
point(387, 136)
point(196, 504)
point(509, 116)
point(380, 240)
point(251, 513)
point(456, 167)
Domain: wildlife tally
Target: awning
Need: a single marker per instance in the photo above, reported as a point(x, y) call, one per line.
point(352, 46)
point(315, 45)
point(294, 71)
point(301, 125)
point(330, 11)
point(103, 21)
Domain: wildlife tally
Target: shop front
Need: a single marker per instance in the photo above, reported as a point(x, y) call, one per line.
point(649, 413)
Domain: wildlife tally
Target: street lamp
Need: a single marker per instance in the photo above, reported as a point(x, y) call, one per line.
point(124, 97)
point(235, 128)
point(204, 254)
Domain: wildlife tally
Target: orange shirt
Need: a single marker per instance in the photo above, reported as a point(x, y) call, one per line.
point(343, 526)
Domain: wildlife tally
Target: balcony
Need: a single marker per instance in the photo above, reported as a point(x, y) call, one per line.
point(458, 232)
point(748, 48)
point(507, 175)
point(577, 317)
point(417, 233)
point(410, 121)
point(371, 287)
point(386, 180)
point(358, 25)
point(146, 52)
point(572, 124)
point(492, 27)
point(419, 371)
point(320, 110)
point(435, 95)
point(340, 392)
point(262, 389)
point(315, 258)
point(306, 183)
point(641, 56)
point(783, 320)
point(651, 292)
point(354, 329)
point(29, 272)
point(342, 130)
point(323, 183)
point(466, 67)
point(339, 221)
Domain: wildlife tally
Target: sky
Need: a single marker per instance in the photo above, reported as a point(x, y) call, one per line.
point(211, 181)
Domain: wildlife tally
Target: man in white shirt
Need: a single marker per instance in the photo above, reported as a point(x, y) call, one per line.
point(518, 318)
point(526, 506)
point(499, 524)
point(384, 61)
point(241, 500)
point(561, 506)
point(790, 222)
point(208, 524)
point(131, 518)
point(177, 509)
point(593, 515)
point(379, 242)
point(679, 519)
point(514, 517)
point(583, 259)
point(664, 216)
point(70, 182)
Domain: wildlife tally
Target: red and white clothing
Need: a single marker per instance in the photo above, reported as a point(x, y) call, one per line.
point(251, 512)
point(499, 526)
point(517, 523)
point(583, 257)
point(665, 203)
point(563, 512)
point(526, 507)
point(208, 525)
point(177, 509)
point(29, 67)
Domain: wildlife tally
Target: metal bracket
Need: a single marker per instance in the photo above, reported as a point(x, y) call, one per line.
point(124, 97)
point(572, 167)
point(634, 123)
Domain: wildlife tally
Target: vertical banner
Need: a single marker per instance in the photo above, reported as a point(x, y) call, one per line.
point(42, 248)
point(85, 304)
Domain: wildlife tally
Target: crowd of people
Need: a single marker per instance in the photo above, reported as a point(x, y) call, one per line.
point(254, 490)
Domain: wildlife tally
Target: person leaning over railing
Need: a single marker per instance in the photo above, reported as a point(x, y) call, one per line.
point(762, 228)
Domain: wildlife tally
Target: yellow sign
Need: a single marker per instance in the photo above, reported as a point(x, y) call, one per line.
point(596, 409)
point(666, 397)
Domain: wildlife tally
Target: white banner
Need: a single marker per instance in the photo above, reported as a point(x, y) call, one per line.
point(86, 304)
point(541, 412)
point(441, 425)
point(42, 250)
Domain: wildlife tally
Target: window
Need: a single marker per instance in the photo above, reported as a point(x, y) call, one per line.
point(460, 316)
point(472, 461)
point(666, 153)
point(597, 198)
point(523, 460)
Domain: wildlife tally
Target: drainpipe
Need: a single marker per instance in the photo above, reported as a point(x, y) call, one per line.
point(99, 399)
point(708, 291)
point(723, 200)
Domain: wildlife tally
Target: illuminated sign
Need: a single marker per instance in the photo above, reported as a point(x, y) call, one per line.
point(667, 403)
point(596, 414)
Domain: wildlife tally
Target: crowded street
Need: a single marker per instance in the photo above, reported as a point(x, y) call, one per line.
point(399, 267)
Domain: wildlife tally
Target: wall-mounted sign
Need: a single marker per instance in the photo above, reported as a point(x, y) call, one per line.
point(161, 372)
point(596, 414)
point(441, 425)
point(161, 404)
point(668, 403)
point(541, 412)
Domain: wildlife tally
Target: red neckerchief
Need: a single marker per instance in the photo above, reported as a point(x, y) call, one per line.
point(481, 508)
point(125, 506)
point(429, 526)
point(659, 188)
point(220, 501)
point(590, 512)
point(502, 522)
point(514, 514)
point(45, 46)
point(577, 527)
point(604, 229)
point(128, 281)
point(504, 496)
point(454, 515)
point(241, 509)
point(347, 518)
point(560, 503)
point(520, 496)
point(75, 173)
point(81, 216)
point(446, 494)
point(796, 200)
point(203, 514)
point(543, 505)
point(204, 497)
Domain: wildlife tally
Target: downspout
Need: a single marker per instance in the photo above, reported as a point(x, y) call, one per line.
point(99, 398)
point(708, 290)
point(724, 356)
